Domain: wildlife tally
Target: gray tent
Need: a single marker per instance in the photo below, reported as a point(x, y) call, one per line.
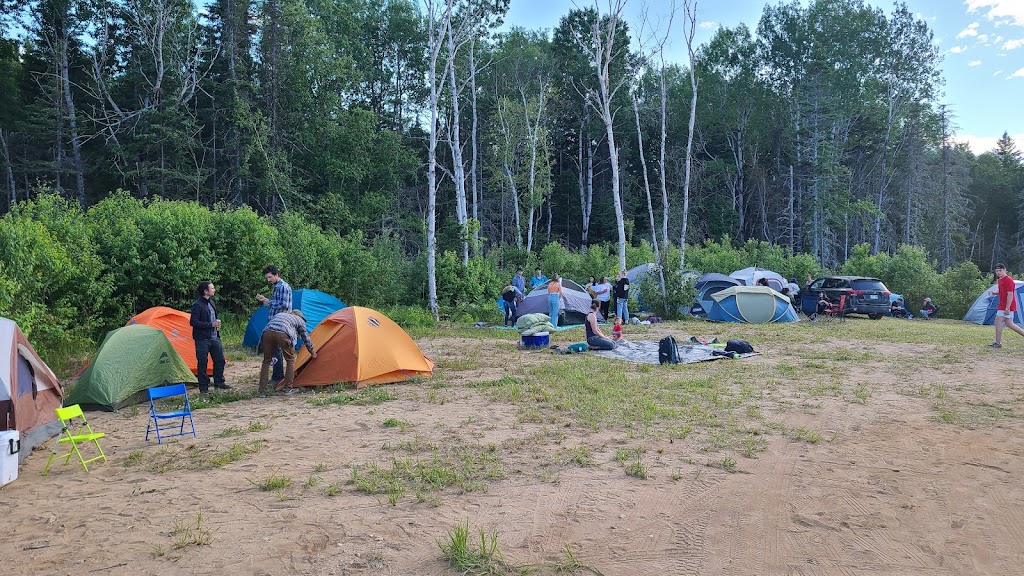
point(575, 306)
point(566, 285)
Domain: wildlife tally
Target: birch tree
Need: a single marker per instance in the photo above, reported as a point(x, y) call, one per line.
point(608, 54)
point(689, 30)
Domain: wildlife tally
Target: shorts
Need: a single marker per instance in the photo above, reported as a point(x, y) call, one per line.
point(1004, 314)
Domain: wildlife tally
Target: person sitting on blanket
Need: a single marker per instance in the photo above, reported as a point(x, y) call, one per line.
point(617, 329)
point(596, 339)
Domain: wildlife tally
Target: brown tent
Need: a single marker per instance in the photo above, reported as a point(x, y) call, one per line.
point(29, 391)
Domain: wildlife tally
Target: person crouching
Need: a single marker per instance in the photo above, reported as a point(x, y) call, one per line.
point(282, 333)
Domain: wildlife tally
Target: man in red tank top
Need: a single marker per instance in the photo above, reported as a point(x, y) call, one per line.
point(1007, 292)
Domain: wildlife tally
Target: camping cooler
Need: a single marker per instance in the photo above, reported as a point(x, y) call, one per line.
point(538, 340)
point(10, 445)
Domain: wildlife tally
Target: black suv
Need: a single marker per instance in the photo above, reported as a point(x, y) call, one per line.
point(863, 295)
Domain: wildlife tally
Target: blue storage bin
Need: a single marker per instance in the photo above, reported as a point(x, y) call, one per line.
point(538, 340)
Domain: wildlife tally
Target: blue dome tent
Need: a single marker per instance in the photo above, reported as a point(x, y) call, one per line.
point(751, 305)
point(983, 311)
point(315, 306)
point(707, 285)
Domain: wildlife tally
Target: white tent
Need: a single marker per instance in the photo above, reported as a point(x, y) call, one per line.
point(750, 276)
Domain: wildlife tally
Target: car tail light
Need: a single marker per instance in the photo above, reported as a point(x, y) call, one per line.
point(887, 293)
point(857, 292)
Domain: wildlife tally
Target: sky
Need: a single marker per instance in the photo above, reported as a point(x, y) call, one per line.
point(981, 41)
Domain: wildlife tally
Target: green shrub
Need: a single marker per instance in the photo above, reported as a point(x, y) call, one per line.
point(679, 294)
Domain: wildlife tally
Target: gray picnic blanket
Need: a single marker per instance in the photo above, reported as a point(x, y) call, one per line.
point(645, 352)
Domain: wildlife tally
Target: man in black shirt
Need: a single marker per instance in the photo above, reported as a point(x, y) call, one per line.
point(622, 297)
point(206, 333)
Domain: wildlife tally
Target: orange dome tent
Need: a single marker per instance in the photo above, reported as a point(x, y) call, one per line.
point(175, 325)
point(362, 346)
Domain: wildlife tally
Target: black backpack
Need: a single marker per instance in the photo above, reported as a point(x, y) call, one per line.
point(739, 346)
point(668, 353)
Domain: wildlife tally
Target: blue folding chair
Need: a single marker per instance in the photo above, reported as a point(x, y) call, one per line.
point(155, 417)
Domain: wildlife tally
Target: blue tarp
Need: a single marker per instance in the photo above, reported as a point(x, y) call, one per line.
point(315, 306)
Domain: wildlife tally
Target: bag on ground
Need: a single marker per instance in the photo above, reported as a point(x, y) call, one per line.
point(668, 352)
point(739, 346)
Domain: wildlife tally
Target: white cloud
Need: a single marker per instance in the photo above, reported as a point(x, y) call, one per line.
point(1013, 44)
point(1017, 74)
point(971, 30)
point(997, 72)
point(974, 63)
point(1002, 11)
point(982, 38)
point(982, 144)
point(707, 24)
point(957, 49)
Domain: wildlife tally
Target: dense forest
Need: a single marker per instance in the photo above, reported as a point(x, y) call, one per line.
point(435, 129)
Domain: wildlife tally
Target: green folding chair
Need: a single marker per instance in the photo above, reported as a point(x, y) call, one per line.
point(83, 435)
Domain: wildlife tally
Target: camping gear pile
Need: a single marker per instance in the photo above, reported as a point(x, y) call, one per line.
point(531, 324)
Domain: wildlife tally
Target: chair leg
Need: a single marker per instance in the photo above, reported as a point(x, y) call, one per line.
point(53, 454)
point(74, 447)
point(99, 449)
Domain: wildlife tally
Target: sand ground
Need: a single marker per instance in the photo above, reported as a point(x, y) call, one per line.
point(890, 488)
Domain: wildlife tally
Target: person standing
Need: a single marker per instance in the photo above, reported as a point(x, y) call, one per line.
point(1006, 289)
point(622, 296)
point(206, 333)
point(603, 294)
point(591, 282)
point(280, 301)
point(519, 281)
point(538, 279)
point(280, 336)
point(554, 298)
point(596, 339)
point(509, 296)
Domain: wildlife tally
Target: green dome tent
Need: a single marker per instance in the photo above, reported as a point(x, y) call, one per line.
point(130, 360)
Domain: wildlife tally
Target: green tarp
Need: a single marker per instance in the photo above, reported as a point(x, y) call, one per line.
point(130, 360)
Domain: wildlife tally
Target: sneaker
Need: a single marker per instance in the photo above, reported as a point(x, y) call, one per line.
point(273, 361)
point(995, 345)
point(223, 387)
point(290, 392)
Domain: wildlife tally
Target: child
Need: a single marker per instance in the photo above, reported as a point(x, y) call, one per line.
point(617, 329)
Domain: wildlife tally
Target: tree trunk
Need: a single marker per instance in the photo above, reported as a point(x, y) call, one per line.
point(591, 150)
point(515, 204)
point(647, 185)
point(661, 163)
point(69, 103)
point(890, 119)
point(8, 171)
point(691, 18)
point(474, 151)
point(455, 143)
